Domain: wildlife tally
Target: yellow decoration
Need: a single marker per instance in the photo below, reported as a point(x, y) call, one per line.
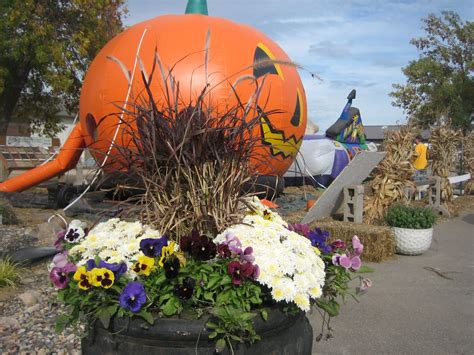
point(277, 140)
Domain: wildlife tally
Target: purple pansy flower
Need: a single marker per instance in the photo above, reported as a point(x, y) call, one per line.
point(365, 284)
point(318, 239)
point(357, 245)
point(247, 256)
point(58, 244)
point(186, 289)
point(151, 247)
point(118, 269)
point(256, 272)
point(338, 244)
point(224, 251)
point(90, 264)
point(59, 260)
point(299, 228)
point(240, 272)
point(201, 247)
point(133, 297)
point(59, 276)
point(234, 244)
point(347, 261)
point(171, 267)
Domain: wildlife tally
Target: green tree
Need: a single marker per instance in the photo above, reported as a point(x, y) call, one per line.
point(46, 47)
point(440, 84)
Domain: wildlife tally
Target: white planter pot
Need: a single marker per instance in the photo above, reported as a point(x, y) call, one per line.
point(412, 241)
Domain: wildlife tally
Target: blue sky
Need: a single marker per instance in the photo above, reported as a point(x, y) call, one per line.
point(360, 44)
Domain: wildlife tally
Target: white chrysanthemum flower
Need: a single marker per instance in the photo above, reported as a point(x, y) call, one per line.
point(114, 241)
point(289, 264)
point(302, 301)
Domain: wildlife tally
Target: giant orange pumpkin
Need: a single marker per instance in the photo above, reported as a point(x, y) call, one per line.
point(180, 41)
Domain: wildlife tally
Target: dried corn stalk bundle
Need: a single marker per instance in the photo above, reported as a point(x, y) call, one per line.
point(393, 175)
point(444, 142)
point(468, 143)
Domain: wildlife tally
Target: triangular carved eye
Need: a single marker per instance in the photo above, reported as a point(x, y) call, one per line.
point(296, 118)
point(264, 62)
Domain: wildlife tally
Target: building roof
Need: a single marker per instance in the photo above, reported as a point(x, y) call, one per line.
point(375, 133)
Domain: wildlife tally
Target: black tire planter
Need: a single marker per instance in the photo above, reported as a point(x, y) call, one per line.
point(281, 334)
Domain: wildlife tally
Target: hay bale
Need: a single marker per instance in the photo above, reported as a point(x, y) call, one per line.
point(379, 243)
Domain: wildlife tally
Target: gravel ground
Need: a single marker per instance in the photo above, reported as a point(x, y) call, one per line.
point(28, 313)
point(14, 238)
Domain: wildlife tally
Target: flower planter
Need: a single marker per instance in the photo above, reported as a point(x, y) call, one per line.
point(280, 334)
point(412, 241)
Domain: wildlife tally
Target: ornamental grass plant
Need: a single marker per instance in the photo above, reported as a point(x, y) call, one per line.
point(10, 272)
point(191, 158)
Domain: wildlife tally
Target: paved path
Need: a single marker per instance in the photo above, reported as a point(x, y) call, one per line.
point(412, 310)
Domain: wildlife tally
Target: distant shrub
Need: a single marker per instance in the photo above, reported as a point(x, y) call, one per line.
point(404, 216)
point(7, 213)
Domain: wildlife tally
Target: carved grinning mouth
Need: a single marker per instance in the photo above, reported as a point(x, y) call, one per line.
point(279, 144)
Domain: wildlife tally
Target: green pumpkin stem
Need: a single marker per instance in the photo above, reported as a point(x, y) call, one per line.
point(197, 7)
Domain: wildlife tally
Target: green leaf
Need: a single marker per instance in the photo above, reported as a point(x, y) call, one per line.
point(147, 316)
point(61, 322)
point(208, 296)
point(211, 325)
point(264, 314)
point(171, 307)
point(236, 338)
point(365, 269)
point(212, 335)
point(226, 280)
point(247, 316)
point(165, 297)
point(220, 345)
point(120, 313)
point(331, 307)
point(104, 317)
point(214, 280)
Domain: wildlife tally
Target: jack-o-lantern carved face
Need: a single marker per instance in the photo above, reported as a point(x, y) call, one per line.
point(234, 51)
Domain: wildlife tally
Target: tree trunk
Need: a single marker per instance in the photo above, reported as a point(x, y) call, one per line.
point(14, 85)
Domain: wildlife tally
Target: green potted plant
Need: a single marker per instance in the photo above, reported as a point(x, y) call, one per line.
point(412, 227)
point(246, 289)
point(194, 265)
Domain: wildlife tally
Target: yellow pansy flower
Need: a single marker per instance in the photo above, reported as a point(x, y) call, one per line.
point(166, 252)
point(102, 277)
point(83, 278)
point(144, 265)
